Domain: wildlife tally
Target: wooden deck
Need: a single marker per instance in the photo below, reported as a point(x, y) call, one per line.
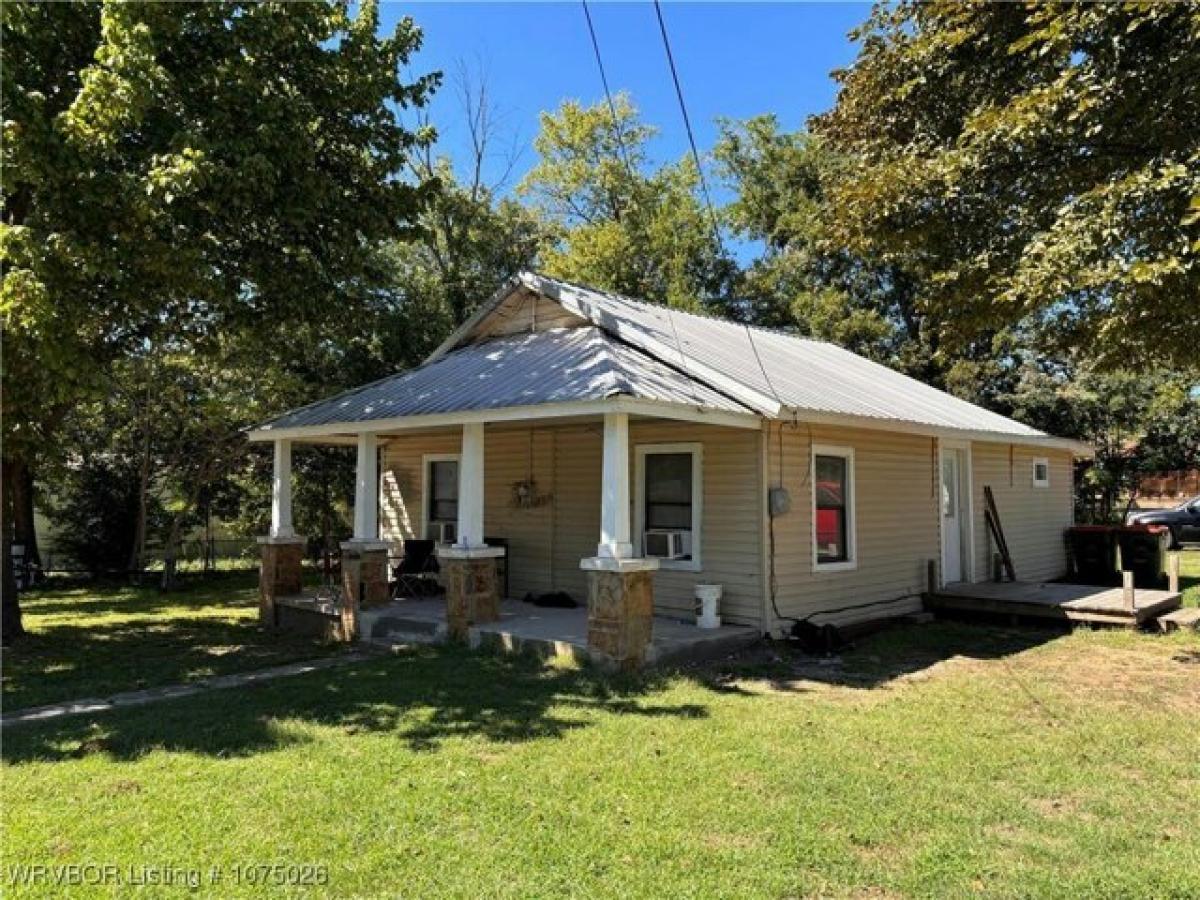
point(1072, 602)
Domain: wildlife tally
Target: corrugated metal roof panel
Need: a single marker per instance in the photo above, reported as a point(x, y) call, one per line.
point(798, 372)
point(553, 366)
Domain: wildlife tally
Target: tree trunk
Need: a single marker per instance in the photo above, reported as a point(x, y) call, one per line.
point(137, 555)
point(209, 556)
point(326, 511)
point(10, 603)
point(171, 555)
point(24, 523)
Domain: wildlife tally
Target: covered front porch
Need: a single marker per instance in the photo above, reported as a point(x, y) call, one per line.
point(396, 503)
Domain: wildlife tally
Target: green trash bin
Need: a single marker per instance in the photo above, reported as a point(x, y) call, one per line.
point(1093, 554)
point(1144, 553)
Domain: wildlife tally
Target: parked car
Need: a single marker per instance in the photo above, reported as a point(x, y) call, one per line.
point(1183, 520)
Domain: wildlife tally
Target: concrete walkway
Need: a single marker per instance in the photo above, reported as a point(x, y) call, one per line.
point(176, 691)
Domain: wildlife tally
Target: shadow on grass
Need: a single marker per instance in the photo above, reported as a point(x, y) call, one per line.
point(875, 660)
point(101, 640)
point(422, 698)
point(105, 597)
point(427, 696)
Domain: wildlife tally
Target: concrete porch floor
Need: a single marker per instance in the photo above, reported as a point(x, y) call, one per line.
point(544, 631)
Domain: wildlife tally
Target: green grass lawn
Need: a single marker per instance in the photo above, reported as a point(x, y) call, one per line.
point(95, 641)
point(938, 760)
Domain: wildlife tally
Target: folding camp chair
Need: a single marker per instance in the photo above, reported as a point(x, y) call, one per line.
point(416, 576)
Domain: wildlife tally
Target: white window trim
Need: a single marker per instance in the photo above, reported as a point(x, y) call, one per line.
point(1040, 482)
point(426, 499)
point(851, 562)
point(696, 449)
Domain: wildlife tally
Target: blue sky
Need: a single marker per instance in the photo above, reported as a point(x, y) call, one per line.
point(735, 60)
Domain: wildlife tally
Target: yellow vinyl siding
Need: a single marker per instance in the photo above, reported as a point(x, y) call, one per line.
point(576, 506)
point(401, 504)
point(1034, 519)
point(546, 543)
point(895, 520)
point(731, 534)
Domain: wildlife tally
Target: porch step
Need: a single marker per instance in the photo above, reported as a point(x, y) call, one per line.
point(1188, 617)
point(390, 628)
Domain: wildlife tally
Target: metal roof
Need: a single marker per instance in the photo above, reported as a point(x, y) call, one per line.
point(559, 365)
point(650, 352)
point(796, 373)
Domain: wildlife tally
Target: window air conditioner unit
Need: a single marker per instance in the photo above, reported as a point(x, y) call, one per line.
point(665, 544)
point(447, 532)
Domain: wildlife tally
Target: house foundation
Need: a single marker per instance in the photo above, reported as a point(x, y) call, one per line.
point(280, 574)
point(472, 587)
point(620, 625)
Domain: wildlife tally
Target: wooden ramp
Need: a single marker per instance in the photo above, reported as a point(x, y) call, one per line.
point(1072, 602)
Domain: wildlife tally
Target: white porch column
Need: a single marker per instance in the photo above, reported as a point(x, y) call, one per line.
point(470, 488)
point(366, 489)
point(281, 491)
point(614, 508)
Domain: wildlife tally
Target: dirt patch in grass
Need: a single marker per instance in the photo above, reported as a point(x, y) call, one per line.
point(1121, 677)
point(1060, 808)
point(1116, 669)
point(718, 840)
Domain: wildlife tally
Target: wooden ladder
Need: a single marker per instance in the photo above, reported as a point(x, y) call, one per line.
point(992, 516)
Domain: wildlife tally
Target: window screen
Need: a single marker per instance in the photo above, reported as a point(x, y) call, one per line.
point(832, 490)
point(669, 491)
point(443, 491)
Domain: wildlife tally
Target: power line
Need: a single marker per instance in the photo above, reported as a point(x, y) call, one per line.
point(612, 107)
point(687, 124)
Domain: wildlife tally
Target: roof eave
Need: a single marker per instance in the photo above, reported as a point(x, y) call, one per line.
point(566, 409)
point(847, 420)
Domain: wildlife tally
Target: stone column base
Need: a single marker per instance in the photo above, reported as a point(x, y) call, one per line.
point(620, 610)
point(279, 575)
point(364, 573)
point(472, 587)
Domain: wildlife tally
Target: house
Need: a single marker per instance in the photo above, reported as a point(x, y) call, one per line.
point(626, 452)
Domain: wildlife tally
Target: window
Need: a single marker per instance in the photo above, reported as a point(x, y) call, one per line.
point(441, 495)
point(669, 491)
point(1041, 472)
point(833, 508)
point(669, 498)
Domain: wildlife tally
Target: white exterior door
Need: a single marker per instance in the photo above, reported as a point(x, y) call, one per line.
point(955, 513)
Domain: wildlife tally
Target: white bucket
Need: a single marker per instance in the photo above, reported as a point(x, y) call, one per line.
point(708, 600)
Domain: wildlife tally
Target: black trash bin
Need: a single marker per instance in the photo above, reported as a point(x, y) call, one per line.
point(1093, 554)
point(1144, 553)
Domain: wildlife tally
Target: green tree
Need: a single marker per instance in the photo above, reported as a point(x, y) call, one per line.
point(781, 182)
point(184, 171)
point(1138, 423)
point(1032, 161)
point(808, 281)
point(613, 223)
